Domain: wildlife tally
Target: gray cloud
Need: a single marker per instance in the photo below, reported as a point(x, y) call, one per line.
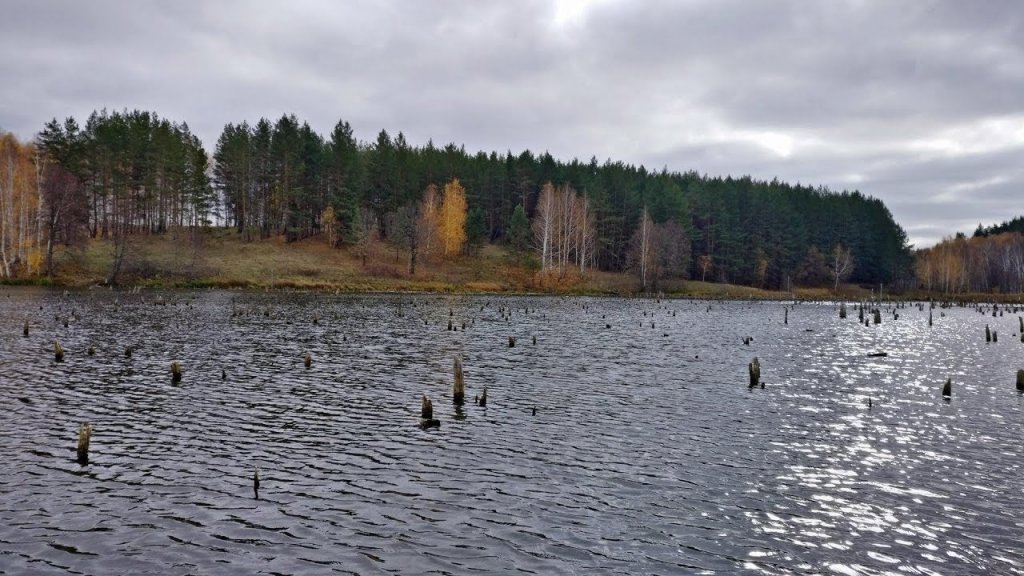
point(918, 103)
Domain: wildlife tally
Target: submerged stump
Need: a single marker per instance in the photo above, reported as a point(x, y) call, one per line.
point(947, 389)
point(842, 310)
point(1020, 380)
point(878, 316)
point(84, 435)
point(755, 372)
point(511, 341)
point(175, 372)
point(427, 419)
point(988, 334)
point(483, 398)
point(307, 360)
point(24, 330)
point(58, 351)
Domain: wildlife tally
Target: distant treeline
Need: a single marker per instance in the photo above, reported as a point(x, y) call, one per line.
point(1015, 225)
point(992, 261)
point(135, 172)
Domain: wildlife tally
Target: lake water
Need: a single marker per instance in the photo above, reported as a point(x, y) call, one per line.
point(648, 454)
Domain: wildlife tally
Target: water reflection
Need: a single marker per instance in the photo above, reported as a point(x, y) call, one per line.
point(647, 452)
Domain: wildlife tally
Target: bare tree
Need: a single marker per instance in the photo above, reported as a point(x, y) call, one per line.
point(642, 255)
point(564, 230)
point(842, 264)
point(64, 212)
point(364, 232)
point(544, 223)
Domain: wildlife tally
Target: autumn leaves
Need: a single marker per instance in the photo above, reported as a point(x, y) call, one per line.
point(443, 220)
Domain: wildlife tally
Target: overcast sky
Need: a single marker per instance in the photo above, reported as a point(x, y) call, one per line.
point(918, 103)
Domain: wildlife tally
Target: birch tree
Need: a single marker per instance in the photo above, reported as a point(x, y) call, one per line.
point(544, 223)
point(842, 264)
point(643, 254)
point(19, 207)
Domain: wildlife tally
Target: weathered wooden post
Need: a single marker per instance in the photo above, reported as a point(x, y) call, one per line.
point(58, 351)
point(175, 372)
point(128, 352)
point(511, 342)
point(84, 435)
point(755, 372)
point(878, 316)
point(947, 390)
point(308, 360)
point(842, 310)
point(256, 482)
point(427, 419)
point(483, 398)
point(91, 351)
point(929, 317)
point(24, 330)
point(1020, 380)
point(459, 389)
point(995, 336)
point(785, 319)
point(988, 334)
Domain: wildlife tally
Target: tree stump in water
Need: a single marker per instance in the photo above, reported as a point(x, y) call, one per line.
point(459, 388)
point(84, 435)
point(755, 372)
point(947, 390)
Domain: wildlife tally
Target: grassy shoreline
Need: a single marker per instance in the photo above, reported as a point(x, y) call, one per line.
point(220, 259)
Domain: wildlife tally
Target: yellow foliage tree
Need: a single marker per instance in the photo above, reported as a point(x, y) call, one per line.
point(20, 232)
point(452, 221)
point(428, 222)
point(330, 225)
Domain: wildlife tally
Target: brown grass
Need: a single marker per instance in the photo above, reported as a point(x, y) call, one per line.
point(219, 258)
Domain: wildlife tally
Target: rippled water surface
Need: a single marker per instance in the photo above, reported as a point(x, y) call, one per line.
point(648, 454)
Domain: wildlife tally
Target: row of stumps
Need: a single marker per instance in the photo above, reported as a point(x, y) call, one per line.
point(427, 419)
point(947, 388)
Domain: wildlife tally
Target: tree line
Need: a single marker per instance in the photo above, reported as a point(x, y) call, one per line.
point(990, 262)
point(133, 172)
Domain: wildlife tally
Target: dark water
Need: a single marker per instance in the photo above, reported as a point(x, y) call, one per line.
point(648, 454)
